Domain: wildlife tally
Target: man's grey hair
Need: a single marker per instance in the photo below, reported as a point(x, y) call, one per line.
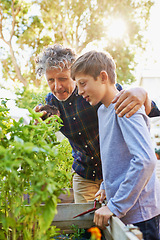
point(54, 57)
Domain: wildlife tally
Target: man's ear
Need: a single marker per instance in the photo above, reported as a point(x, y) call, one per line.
point(104, 76)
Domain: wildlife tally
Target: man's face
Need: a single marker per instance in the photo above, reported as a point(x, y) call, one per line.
point(60, 83)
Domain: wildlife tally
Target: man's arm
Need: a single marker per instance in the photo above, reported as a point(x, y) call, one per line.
point(129, 101)
point(154, 111)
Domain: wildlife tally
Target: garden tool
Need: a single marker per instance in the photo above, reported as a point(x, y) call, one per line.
point(89, 210)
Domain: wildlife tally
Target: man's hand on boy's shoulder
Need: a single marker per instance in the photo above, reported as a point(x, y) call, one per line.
point(129, 101)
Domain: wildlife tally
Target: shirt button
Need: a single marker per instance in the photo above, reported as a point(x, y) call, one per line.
point(86, 146)
point(94, 171)
point(92, 157)
point(74, 118)
point(93, 175)
point(70, 103)
point(79, 133)
point(95, 165)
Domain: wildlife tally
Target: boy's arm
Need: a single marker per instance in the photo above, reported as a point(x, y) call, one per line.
point(129, 101)
point(137, 138)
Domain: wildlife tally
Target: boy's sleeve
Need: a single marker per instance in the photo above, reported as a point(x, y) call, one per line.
point(102, 186)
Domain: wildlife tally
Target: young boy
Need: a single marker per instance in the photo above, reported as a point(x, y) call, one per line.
point(128, 159)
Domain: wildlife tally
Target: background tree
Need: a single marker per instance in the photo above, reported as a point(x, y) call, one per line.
point(20, 32)
point(12, 17)
point(75, 24)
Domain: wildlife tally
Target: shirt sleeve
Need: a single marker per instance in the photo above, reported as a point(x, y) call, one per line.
point(141, 166)
point(49, 99)
point(154, 110)
point(102, 187)
point(119, 87)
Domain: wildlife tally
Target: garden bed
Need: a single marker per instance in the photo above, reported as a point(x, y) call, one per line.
point(64, 219)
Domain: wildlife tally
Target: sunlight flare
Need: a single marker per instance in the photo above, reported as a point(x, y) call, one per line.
point(117, 28)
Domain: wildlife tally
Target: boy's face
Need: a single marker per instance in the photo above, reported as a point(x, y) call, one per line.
point(93, 91)
point(60, 83)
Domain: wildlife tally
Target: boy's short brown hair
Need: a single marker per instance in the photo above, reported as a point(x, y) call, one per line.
point(92, 63)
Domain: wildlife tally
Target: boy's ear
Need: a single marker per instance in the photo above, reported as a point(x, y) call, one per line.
point(104, 76)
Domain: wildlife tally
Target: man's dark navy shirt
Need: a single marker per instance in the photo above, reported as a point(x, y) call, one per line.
point(80, 126)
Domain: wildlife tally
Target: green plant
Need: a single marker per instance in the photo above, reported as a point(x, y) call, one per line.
point(77, 232)
point(65, 160)
point(30, 97)
point(30, 177)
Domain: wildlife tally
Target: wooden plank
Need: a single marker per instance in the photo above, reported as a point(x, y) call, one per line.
point(66, 211)
point(119, 231)
point(67, 197)
point(107, 233)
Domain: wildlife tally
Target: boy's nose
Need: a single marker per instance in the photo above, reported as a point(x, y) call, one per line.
point(80, 91)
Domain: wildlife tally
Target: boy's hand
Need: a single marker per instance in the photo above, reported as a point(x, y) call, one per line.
point(101, 217)
point(129, 101)
point(101, 194)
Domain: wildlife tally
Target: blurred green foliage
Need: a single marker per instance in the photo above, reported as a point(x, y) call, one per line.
point(29, 98)
point(32, 176)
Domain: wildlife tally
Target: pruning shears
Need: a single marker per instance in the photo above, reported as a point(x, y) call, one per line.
point(89, 210)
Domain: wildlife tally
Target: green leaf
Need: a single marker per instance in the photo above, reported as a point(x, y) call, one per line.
point(48, 213)
point(2, 234)
point(2, 150)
